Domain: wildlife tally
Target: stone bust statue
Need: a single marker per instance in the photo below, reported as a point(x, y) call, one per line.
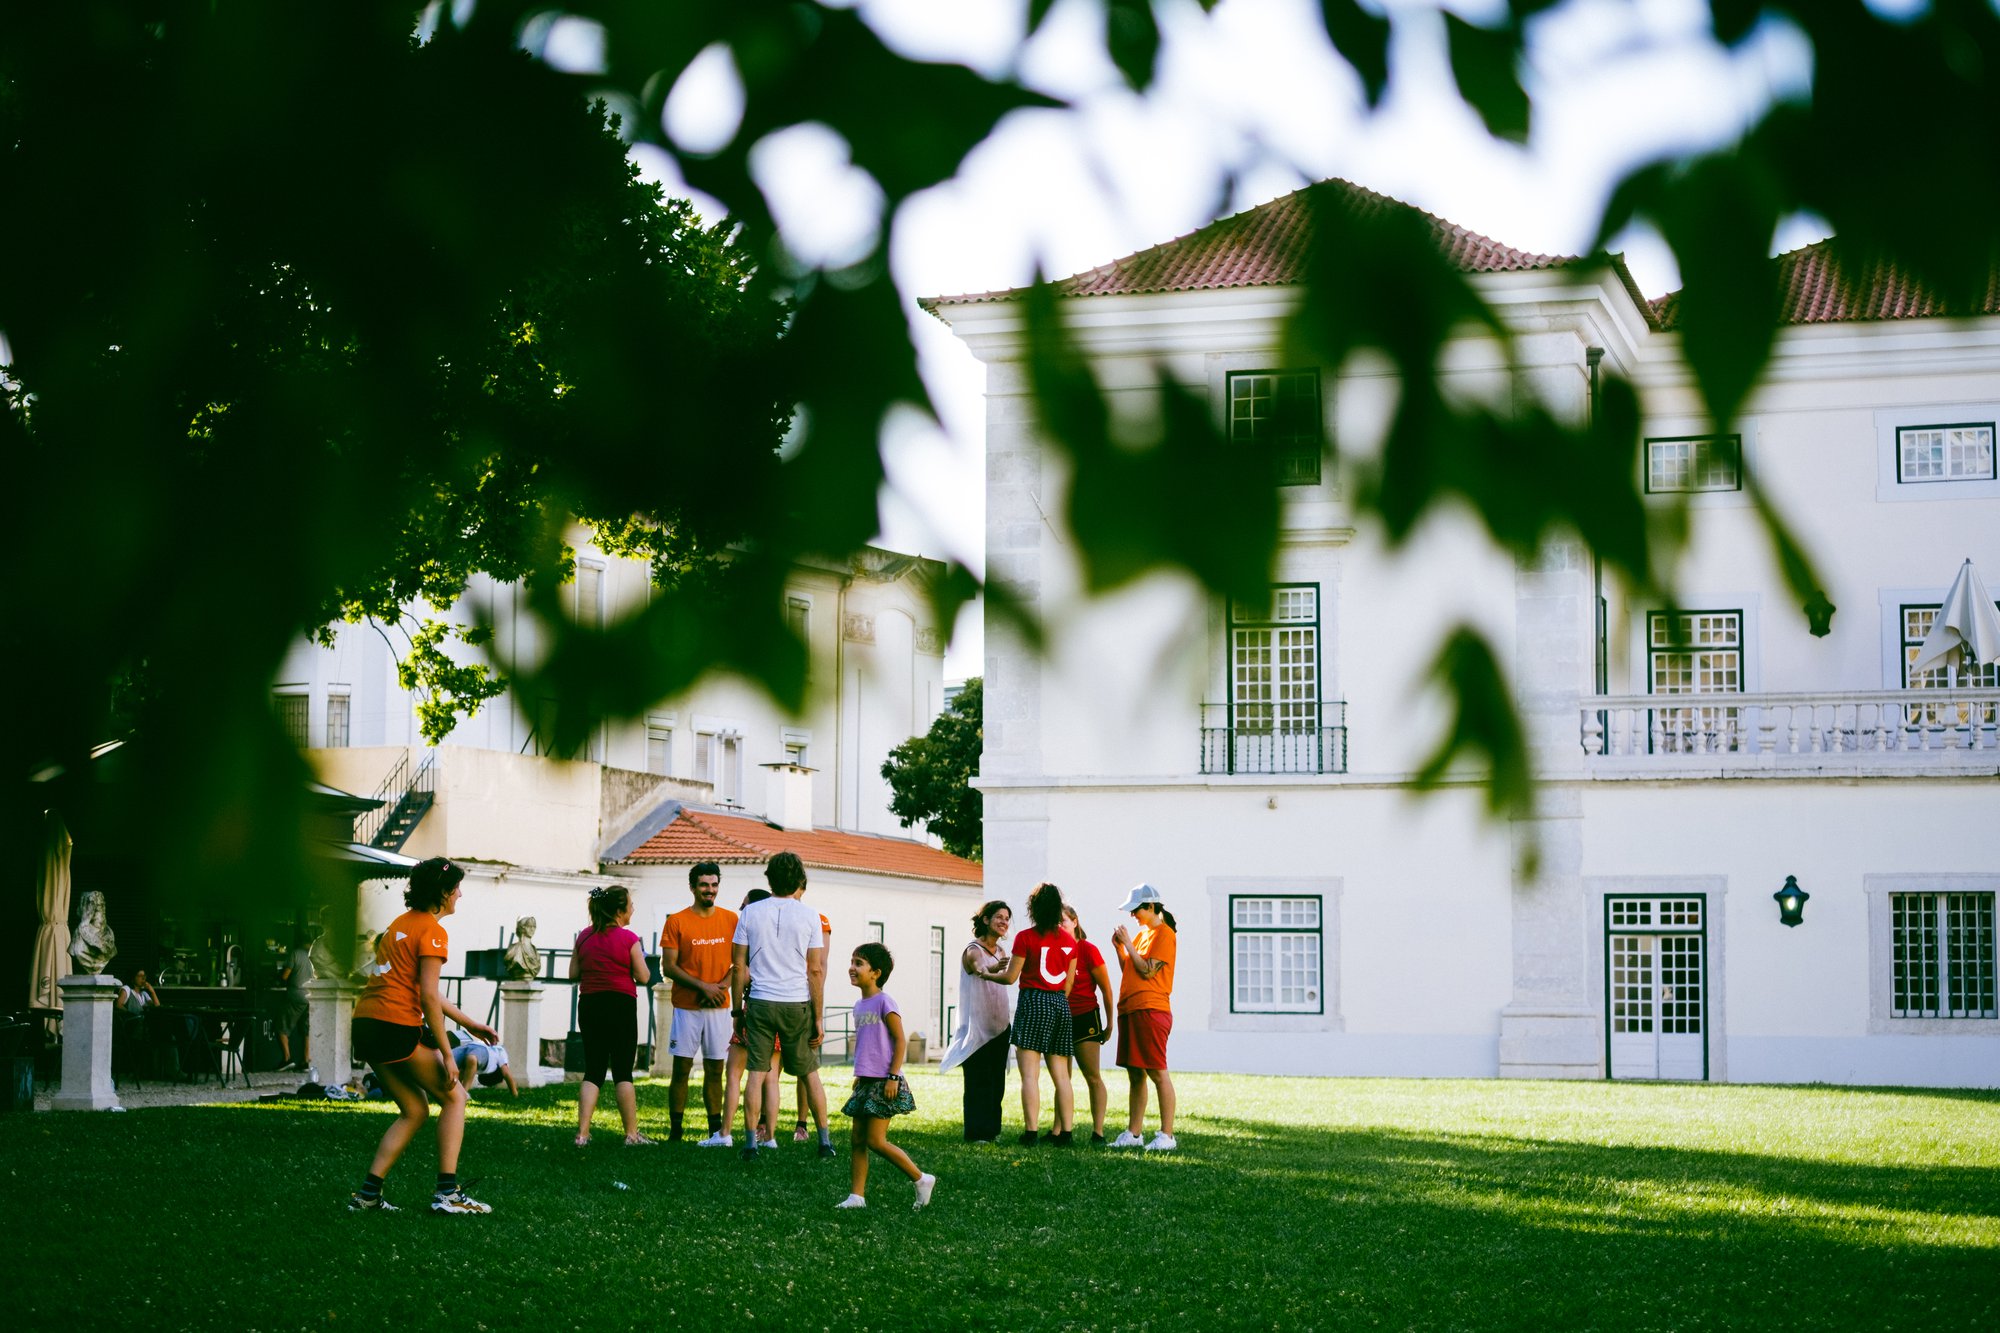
point(524, 960)
point(325, 967)
point(93, 946)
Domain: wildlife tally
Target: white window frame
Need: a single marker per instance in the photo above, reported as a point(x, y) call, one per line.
point(1703, 454)
point(590, 617)
point(1881, 892)
point(1958, 441)
point(660, 728)
point(1223, 1015)
point(798, 746)
point(1296, 464)
point(345, 698)
point(1283, 918)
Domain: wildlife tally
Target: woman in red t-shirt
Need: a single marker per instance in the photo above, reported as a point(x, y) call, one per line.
point(1088, 1026)
point(609, 966)
point(401, 1014)
point(1045, 964)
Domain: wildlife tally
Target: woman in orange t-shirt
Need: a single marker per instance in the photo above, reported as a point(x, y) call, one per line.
point(399, 1031)
point(1145, 1014)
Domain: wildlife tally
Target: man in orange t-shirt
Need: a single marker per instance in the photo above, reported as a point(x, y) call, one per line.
point(695, 953)
point(1145, 1016)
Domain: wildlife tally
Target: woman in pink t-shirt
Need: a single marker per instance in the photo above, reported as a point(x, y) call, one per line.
point(609, 966)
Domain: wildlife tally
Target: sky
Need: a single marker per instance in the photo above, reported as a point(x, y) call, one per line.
point(1250, 103)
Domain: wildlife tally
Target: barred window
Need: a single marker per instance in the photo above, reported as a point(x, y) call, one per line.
point(336, 721)
point(1961, 451)
point(1942, 954)
point(1279, 411)
point(294, 713)
point(1694, 463)
point(1274, 955)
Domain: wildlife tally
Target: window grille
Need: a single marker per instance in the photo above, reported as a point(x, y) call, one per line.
point(294, 714)
point(1694, 464)
point(1942, 955)
point(1279, 411)
point(1274, 948)
point(1962, 451)
point(336, 721)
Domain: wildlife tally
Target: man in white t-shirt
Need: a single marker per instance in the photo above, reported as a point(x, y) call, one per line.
point(780, 981)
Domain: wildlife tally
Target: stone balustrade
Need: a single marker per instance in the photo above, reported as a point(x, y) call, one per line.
point(1941, 729)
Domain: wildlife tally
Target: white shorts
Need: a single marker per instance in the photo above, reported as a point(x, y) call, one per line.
point(702, 1032)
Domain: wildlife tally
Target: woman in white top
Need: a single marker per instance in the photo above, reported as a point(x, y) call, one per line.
point(985, 1022)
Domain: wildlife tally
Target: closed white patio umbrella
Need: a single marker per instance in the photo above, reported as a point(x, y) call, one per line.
point(1967, 629)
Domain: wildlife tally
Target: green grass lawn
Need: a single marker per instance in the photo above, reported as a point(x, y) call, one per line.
point(1292, 1204)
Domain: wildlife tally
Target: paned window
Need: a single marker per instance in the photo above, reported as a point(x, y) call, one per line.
point(878, 932)
point(1694, 463)
point(336, 721)
point(1278, 411)
point(1274, 955)
point(1694, 652)
point(704, 757)
point(943, 1028)
point(732, 770)
point(1941, 947)
point(1274, 662)
point(1962, 451)
point(1917, 622)
point(294, 715)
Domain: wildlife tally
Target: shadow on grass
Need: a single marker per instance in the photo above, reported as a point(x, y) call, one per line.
point(1256, 1222)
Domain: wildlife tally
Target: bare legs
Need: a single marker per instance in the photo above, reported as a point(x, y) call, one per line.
point(871, 1133)
point(1160, 1079)
point(411, 1082)
point(628, 1110)
point(1031, 1090)
point(1088, 1055)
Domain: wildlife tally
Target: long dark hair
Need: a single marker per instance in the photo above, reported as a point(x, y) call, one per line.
point(1045, 907)
point(1165, 915)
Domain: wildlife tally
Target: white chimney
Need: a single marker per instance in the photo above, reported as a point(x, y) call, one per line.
point(788, 796)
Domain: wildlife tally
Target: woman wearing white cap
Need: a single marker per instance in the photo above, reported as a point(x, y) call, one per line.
point(1145, 1014)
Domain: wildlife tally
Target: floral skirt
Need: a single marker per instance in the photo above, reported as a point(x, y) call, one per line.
point(867, 1099)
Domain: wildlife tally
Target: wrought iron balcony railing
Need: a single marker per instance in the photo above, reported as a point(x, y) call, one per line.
point(1274, 738)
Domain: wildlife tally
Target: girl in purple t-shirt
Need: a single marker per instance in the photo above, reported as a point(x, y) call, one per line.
point(608, 967)
point(880, 1091)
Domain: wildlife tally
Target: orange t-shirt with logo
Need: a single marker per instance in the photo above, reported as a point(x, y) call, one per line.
point(703, 945)
point(392, 995)
point(1157, 944)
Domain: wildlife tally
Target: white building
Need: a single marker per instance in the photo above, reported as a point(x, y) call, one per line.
point(537, 831)
point(1256, 762)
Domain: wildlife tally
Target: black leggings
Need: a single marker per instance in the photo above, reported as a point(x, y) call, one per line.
point(610, 1023)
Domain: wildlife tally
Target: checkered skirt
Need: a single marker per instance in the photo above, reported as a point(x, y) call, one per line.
point(1041, 1022)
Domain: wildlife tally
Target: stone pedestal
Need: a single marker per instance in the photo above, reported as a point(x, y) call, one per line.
point(521, 1033)
point(88, 1005)
point(330, 1043)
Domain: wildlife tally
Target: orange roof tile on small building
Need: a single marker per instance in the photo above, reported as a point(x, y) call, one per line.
point(1816, 287)
point(741, 840)
point(1268, 246)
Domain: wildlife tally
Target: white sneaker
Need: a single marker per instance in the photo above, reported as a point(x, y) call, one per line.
point(1163, 1143)
point(767, 1145)
point(925, 1184)
point(852, 1201)
point(1128, 1140)
point(719, 1139)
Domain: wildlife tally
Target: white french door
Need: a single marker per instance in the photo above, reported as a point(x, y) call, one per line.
point(1656, 988)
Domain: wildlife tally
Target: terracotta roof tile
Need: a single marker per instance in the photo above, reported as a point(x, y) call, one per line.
point(1817, 287)
point(739, 840)
point(1267, 246)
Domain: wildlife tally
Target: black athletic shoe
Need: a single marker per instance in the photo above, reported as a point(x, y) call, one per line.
point(1029, 1138)
point(828, 1150)
point(1097, 1140)
point(1066, 1139)
point(750, 1153)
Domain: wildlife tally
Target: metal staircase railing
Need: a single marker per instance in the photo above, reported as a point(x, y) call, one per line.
point(406, 795)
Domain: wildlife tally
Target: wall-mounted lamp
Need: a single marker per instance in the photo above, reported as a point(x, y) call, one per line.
point(1791, 902)
point(1819, 615)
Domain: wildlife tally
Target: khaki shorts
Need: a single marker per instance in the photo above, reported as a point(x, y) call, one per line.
point(791, 1022)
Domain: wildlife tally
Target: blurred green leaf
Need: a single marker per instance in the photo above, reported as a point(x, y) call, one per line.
point(1485, 62)
point(1132, 39)
point(1362, 38)
point(1484, 728)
